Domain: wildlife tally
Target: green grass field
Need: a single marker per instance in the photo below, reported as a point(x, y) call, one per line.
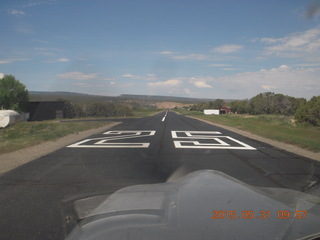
point(276, 127)
point(26, 134)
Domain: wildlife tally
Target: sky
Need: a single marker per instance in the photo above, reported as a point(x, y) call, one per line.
point(188, 48)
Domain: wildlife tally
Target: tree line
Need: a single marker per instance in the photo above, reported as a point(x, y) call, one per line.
point(270, 103)
point(75, 110)
point(15, 96)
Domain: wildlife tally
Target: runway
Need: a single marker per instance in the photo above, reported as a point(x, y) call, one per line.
point(35, 197)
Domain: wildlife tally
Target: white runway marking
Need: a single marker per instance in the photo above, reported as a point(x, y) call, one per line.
point(181, 139)
point(164, 118)
point(207, 140)
point(194, 134)
point(114, 136)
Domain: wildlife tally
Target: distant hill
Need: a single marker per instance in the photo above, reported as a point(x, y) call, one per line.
point(155, 98)
point(72, 97)
point(129, 99)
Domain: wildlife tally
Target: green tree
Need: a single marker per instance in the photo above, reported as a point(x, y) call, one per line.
point(262, 103)
point(78, 109)
point(13, 94)
point(218, 103)
point(240, 106)
point(200, 106)
point(296, 103)
point(270, 103)
point(309, 112)
point(69, 110)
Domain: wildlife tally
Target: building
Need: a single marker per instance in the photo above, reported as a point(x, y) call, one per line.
point(225, 110)
point(211, 111)
point(40, 111)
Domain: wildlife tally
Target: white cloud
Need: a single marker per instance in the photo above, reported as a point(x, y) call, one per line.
point(297, 82)
point(6, 61)
point(48, 51)
point(219, 65)
point(149, 77)
point(292, 81)
point(128, 75)
point(230, 69)
point(12, 60)
point(225, 67)
point(88, 85)
point(24, 28)
point(270, 40)
point(268, 87)
point(127, 85)
point(168, 83)
point(191, 57)
point(39, 41)
point(198, 81)
point(40, 3)
point(82, 59)
point(302, 44)
point(16, 12)
point(110, 79)
point(201, 84)
point(63, 60)
point(228, 48)
point(308, 65)
point(288, 80)
point(166, 53)
point(77, 76)
point(187, 91)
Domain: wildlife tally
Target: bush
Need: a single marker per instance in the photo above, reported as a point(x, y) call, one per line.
point(309, 112)
point(107, 110)
point(13, 94)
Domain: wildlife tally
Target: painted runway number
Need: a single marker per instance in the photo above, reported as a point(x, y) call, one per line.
point(116, 139)
point(206, 140)
point(181, 139)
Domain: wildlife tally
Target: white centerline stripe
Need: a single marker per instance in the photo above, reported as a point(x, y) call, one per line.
point(164, 118)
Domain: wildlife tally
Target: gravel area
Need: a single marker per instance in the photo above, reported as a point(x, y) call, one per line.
point(9, 161)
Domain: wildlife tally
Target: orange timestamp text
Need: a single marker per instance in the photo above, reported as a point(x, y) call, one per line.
point(250, 214)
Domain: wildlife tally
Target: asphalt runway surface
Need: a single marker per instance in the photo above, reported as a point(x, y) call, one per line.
point(36, 197)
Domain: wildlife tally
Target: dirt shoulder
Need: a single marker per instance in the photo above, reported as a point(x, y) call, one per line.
point(288, 147)
point(9, 161)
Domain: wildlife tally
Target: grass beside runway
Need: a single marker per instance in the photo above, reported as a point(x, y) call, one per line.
point(26, 134)
point(275, 127)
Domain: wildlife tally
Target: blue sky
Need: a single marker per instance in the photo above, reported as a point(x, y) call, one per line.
point(192, 48)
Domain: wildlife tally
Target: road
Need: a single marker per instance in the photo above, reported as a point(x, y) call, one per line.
point(35, 197)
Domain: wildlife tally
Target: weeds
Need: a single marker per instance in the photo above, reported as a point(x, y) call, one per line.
point(276, 127)
point(27, 134)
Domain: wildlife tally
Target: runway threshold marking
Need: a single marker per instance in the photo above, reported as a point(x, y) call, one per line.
point(207, 140)
point(181, 139)
point(114, 136)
